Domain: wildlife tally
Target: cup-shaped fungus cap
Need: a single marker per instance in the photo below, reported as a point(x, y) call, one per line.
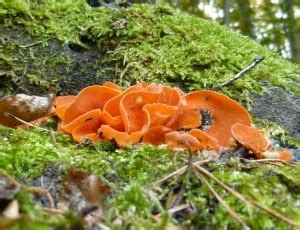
point(252, 139)
point(206, 142)
point(81, 120)
point(61, 103)
point(123, 139)
point(115, 122)
point(112, 106)
point(285, 155)
point(87, 130)
point(224, 113)
point(131, 107)
point(169, 96)
point(159, 114)
point(156, 135)
point(185, 118)
point(90, 98)
point(182, 141)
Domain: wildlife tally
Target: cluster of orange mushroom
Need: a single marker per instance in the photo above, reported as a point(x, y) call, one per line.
point(159, 114)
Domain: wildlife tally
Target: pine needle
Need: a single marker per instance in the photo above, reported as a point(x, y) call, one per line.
point(26, 123)
point(176, 173)
point(247, 200)
point(232, 213)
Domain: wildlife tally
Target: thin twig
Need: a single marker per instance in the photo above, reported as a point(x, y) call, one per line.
point(255, 62)
point(41, 191)
point(176, 173)
point(53, 211)
point(232, 213)
point(273, 163)
point(29, 45)
point(51, 201)
point(202, 162)
point(52, 136)
point(154, 199)
point(176, 198)
point(181, 171)
point(270, 160)
point(26, 123)
point(179, 208)
point(249, 201)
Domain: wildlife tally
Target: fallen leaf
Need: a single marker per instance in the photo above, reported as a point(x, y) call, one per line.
point(90, 185)
point(21, 107)
point(84, 193)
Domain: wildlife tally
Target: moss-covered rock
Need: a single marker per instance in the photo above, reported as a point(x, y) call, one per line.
point(71, 45)
point(44, 43)
point(131, 174)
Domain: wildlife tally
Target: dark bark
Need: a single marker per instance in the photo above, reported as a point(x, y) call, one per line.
point(290, 28)
point(226, 10)
point(245, 18)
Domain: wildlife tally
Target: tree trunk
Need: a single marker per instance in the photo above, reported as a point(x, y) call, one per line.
point(296, 58)
point(226, 11)
point(290, 29)
point(245, 18)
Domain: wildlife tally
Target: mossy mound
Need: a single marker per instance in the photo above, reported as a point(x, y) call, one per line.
point(74, 45)
point(71, 45)
point(131, 174)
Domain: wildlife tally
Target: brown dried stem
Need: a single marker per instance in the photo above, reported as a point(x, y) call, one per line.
point(247, 200)
point(176, 173)
point(271, 160)
point(53, 211)
point(179, 208)
point(232, 213)
point(26, 123)
point(254, 63)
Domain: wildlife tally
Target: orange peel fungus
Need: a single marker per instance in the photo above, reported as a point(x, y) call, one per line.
point(158, 114)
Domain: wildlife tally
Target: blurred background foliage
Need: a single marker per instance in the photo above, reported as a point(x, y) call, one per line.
point(273, 23)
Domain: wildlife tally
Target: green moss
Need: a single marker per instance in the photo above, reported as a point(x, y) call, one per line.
point(131, 173)
point(262, 184)
point(278, 133)
point(154, 44)
point(151, 43)
point(33, 218)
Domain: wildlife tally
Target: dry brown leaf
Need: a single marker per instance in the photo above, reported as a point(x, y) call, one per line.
point(90, 185)
point(84, 193)
point(25, 107)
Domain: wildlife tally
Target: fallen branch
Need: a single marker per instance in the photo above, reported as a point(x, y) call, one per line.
point(254, 63)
